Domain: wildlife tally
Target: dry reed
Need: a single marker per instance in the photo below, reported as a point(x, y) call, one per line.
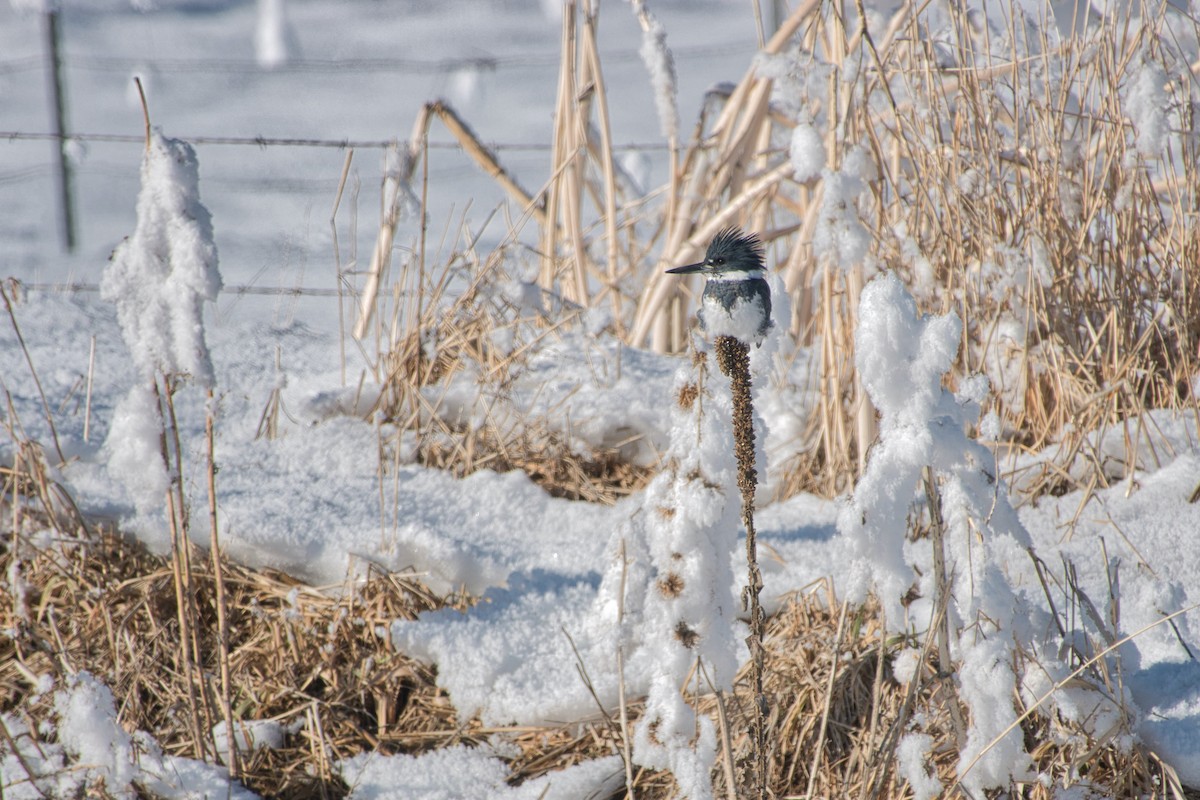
point(1014, 188)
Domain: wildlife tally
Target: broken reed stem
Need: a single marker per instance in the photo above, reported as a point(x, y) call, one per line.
point(733, 358)
point(233, 760)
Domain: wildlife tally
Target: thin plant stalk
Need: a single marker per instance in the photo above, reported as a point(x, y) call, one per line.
point(234, 757)
point(181, 570)
point(339, 278)
point(820, 748)
point(12, 317)
point(626, 749)
point(941, 598)
point(733, 358)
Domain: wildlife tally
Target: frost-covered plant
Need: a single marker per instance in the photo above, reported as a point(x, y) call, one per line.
point(159, 279)
point(660, 63)
point(161, 275)
point(902, 357)
point(682, 619)
point(733, 359)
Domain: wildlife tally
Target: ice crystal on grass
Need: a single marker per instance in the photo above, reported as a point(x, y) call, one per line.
point(660, 63)
point(840, 235)
point(807, 152)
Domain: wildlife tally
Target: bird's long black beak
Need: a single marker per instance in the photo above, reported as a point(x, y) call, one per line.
point(690, 268)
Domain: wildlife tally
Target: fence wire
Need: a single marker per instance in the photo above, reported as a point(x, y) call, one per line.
point(286, 141)
point(400, 66)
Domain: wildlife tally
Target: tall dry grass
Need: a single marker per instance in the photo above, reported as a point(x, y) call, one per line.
point(1018, 177)
point(311, 660)
point(1040, 184)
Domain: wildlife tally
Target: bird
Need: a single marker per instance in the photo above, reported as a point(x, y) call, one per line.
point(736, 300)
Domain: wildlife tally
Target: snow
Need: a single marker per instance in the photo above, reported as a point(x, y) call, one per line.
point(133, 448)
point(683, 613)
point(159, 277)
point(840, 236)
point(911, 753)
point(660, 63)
point(249, 735)
point(88, 729)
point(807, 152)
point(94, 750)
point(462, 771)
point(549, 571)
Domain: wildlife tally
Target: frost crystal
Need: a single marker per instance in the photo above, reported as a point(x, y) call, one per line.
point(807, 152)
point(840, 235)
point(660, 63)
point(1146, 106)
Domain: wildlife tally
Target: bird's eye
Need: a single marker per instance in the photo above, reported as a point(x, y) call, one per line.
point(718, 262)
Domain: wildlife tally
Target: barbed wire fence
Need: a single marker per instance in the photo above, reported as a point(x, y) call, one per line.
point(55, 60)
point(275, 141)
point(39, 172)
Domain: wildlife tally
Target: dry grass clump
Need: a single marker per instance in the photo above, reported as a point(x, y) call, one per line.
point(308, 659)
point(838, 713)
point(455, 364)
point(1061, 226)
point(601, 477)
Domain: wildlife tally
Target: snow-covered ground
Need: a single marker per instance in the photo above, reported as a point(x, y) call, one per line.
point(308, 501)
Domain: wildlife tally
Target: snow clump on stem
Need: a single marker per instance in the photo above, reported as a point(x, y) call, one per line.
point(902, 357)
point(159, 279)
point(681, 613)
point(160, 276)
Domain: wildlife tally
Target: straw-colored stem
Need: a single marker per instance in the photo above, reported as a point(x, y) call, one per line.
point(234, 762)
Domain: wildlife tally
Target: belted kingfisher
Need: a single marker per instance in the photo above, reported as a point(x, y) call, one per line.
point(736, 300)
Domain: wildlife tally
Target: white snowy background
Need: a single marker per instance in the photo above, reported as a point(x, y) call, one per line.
point(308, 502)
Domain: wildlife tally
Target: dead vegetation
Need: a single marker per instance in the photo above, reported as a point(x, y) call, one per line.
point(470, 334)
point(314, 661)
point(1041, 187)
point(318, 661)
point(309, 659)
